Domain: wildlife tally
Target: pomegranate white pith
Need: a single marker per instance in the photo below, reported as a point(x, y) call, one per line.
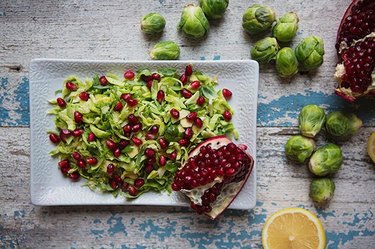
point(213, 175)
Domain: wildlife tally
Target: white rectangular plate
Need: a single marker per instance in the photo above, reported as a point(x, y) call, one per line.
point(49, 187)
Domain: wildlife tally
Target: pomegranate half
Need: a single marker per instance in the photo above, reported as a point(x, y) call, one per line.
point(356, 51)
point(213, 175)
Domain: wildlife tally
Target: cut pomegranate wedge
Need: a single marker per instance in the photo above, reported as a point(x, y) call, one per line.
point(356, 51)
point(213, 175)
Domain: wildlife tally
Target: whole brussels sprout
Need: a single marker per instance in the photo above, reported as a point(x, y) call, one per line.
point(165, 50)
point(321, 191)
point(310, 53)
point(286, 27)
point(342, 125)
point(311, 119)
point(193, 22)
point(152, 24)
point(286, 63)
point(258, 19)
point(299, 148)
point(326, 160)
point(214, 9)
point(265, 50)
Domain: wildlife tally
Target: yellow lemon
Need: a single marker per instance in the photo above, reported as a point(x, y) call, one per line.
point(371, 146)
point(293, 228)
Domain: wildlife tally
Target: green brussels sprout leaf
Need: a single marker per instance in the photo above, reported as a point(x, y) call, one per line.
point(286, 63)
point(341, 125)
point(310, 53)
point(326, 160)
point(299, 148)
point(265, 50)
point(311, 120)
point(321, 191)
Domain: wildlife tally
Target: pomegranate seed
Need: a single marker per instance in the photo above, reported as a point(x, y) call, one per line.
point(149, 153)
point(124, 186)
point(136, 141)
point(129, 75)
point(139, 182)
point(132, 102)
point(183, 142)
point(91, 160)
point(71, 86)
point(65, 170)
point(76, 155)
point(195, 85)
point(126, 97)
point(174, 113)
point(103, 81)
point(64, 163)
point(188, 133)
point(162, 160)
point(78, 132)
point(192, 116)
point(132, 191)
point(110, 168)
point(160, 96)
point(156, 76)
point(226, 93)
point(74, 176)
point(176, 187)
point(149, 167)
point(64, 134)
point(91, 137)
point(227, 115)
point(186, 93)
point(184, 78)
point(201, 100)
point(61, 102)
point(122, 144)
point(146, 78)
point(163, 143)
point(173, 156)
point(110, 144)
point(118, 107)
point(198, 122)
point(149, 136)
point(117, 152)
point(188, 70)
point(81, 163)
point(137, 127)
point(78, 117)
point(113, 184)
point(154, 129)
point(84, 96)
point(54, 138)
point(149, 84)
point(132, 119)
point(127, 128)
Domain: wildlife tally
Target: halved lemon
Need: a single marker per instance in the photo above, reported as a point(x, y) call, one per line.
point(293, 228)
point(371, 146)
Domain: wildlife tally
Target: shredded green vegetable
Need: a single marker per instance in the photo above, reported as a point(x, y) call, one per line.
point(106, 123)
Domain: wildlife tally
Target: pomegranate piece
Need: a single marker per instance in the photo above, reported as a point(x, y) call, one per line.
point(227, 93)
point(91, 160)
point(132, 102)
point(188, 70)
point(129, 75)
point(184, 78)
point(84, 96)
point(110, 168)
point(71, 86)
point(162, 160)
point(139, 182)
point(132, 119)
point(174, 113)
point(195, 85)
point(78, 117)
point(76, 155)
point(186, 93)
point(160, 96)
point(126, 97)
point(117, 152)
point(156, 76)
point(118, 107)
point(91, 137)
point(198, 122)
point(77, 132)
point(227, 115)
point(74, 176)
point(103, 81)
point(149, 153)
point(356, 51)
point(110, 144)
point(54, 138)
point(61, 102)
point(216, 169)
point(201, 100)
point(136, 141)
point(163, 143)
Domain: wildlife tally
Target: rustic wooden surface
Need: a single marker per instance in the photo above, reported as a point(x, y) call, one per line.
point(110, 30)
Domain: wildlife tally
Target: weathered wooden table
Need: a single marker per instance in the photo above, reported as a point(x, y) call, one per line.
point(111, 30)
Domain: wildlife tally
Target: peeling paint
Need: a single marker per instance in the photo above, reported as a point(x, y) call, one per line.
point(161, 232)
point(116, 225)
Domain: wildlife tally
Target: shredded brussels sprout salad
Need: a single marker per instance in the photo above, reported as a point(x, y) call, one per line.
point(129, 134)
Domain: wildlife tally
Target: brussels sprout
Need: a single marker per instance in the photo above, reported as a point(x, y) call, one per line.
point(286, 63)
point(258, 19)
point(152, 23)
point(310, 53)
point(165, 50)
point(299, 148)
point(341, 125)
point(193, 22)
point(326, 160)
point(214, 9)
point(286, 27)
point(321, 191)
point(265, 50)
point(311, 119)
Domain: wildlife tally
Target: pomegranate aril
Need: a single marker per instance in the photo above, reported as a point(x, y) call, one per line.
point(118, 107)
point(129, 75)
point(126, 97)
point(156, 76)
point(227, 115)
point(76, 155)
point(226, 93)
point(65, 170)
point(174, 113)
point(74, 176)
point(110, 144)
point(160, 96)
point(61, 102)
point(91, 137)
point(71, 86)
point(132, 190)
point(183, 142)
point(150, 136)
point(64, 163)
point(64, 134)
point(127, 128)
point(149, 84)
point(162, 160)
point(163, 143)
point(81, 163)
point(125, 186)
point(149, 167)
point(198, 122)
point(122, 144)
point(139, 182)
point(184, 79)
point(191, 116)
point(195, 85)
point(84, 96)
point(117, 152)
point(103, 81)
point(149, 152)
point(188, 133)
point(78, 117)
point(186, 93)
point(54, 138)
point(154, 129)
point(136, 141)
point(173, 156)
point(113, 184)
point(77, 132)
point(176, 187)
point(132, 119)
point(92, 160)
point(110, 168)
point(188, 70)
point(132, 102)
point(137, 127)
point(201, 100)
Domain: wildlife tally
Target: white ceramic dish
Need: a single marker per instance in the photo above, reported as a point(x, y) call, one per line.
point(49, 187)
